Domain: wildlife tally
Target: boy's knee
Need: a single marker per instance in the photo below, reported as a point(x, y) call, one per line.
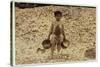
point(61, 38)
point(52, 38)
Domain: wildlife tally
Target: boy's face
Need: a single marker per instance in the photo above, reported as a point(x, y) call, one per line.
point(58, 17)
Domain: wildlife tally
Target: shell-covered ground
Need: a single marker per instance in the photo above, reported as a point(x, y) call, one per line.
point(32, 27)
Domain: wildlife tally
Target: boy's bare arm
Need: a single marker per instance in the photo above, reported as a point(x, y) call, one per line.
point(63, 32)
point(50, 32)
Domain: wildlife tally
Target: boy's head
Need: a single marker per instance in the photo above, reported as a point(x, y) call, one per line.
point(58, 15)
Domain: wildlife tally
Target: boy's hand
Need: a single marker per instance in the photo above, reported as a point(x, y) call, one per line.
point(64, 39)
point(48, 38)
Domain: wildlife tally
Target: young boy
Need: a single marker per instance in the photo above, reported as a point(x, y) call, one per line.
point(57, 34)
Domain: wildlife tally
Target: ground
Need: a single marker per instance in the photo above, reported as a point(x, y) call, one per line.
point(32, 27)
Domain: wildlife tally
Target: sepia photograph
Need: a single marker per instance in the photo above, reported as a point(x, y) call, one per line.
point(54, 33)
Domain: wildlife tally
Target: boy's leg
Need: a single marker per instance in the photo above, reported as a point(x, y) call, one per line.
point(59, 41)
point(53, 44)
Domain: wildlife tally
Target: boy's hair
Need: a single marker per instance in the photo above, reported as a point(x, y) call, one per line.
point(57, 12)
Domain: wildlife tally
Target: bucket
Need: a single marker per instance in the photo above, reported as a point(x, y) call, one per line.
point(46, 44)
